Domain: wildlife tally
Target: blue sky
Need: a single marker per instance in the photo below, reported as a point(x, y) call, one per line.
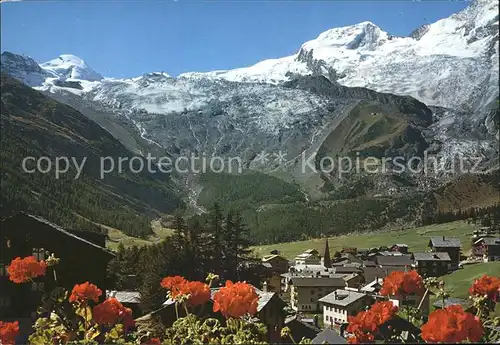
point(129, 38)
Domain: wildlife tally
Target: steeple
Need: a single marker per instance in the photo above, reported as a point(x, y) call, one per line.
point(327, 262)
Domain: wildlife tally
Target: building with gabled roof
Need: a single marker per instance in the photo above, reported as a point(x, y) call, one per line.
point(450, 245)
point(300, 329)
point(340, 304)
point(23, 235)
point(308, 257)
point(389, 261)
point(81, 260)
point(434, 264)
point(487, 248)
point(306, 291)
point(328, 336)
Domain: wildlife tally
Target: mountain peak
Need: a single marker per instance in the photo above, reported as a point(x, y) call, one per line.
point(364, 35)
point(68, 66)
point(24, 68)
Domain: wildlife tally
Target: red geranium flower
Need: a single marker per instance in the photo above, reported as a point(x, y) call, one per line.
point(400, 283)
point(8, 332)
point(361, 327)
point(236, 300)
point(84, 292)
point(383, 312)
point(111, 312)
point(152, 341)
point(452, 325)
point(174, 284)
point(199, 293)
point(365, 323)
point(366, 338)
point(23, 270)
point(486, 286)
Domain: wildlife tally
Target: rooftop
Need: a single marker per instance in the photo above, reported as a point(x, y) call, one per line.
point(439, 256)
point(124, 296)
point(318, 282)
point(447, 242)
point(60, 229)
point(328, 336)
point(489, 241)
point(398, 260)
point(347, 269)
point(373, 286)
point(342, 297)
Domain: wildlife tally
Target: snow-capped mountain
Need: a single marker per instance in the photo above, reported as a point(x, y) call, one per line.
point(25, 69)
point(71, 67)
point(451, 63)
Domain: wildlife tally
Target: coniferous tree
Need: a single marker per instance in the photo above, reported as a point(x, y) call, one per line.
point(215, 240)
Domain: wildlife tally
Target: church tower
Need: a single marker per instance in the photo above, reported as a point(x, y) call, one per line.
point(327, 261)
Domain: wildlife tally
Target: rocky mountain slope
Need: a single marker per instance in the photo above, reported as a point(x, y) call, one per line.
point(355, 89)
point(33, 125)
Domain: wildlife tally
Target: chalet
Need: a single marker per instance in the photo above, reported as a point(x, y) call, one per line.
point(277, 262)
point(487, 248)
point(450, 245)
point(391, 263)
point(353, 280)
point(270, 311)
point(300, 329)
point(24, 235)
point(371, 273)
point(399, 247)
point(309, 257)
point(347, 269)
point(340, 304)
point(372, 287)
point(432, 264)
point(276, 265)
point(306, 291)
point(328, 336)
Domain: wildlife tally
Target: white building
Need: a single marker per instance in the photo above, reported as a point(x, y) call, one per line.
point(340, 304)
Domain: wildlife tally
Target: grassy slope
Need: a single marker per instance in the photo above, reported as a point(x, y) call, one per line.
point(363, 131)
point(116, 236)
point(416, 238)
point(459, 282)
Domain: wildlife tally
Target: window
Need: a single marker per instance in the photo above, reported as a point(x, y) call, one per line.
point(312, 292)
point(39, 253)
point(312, 299)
